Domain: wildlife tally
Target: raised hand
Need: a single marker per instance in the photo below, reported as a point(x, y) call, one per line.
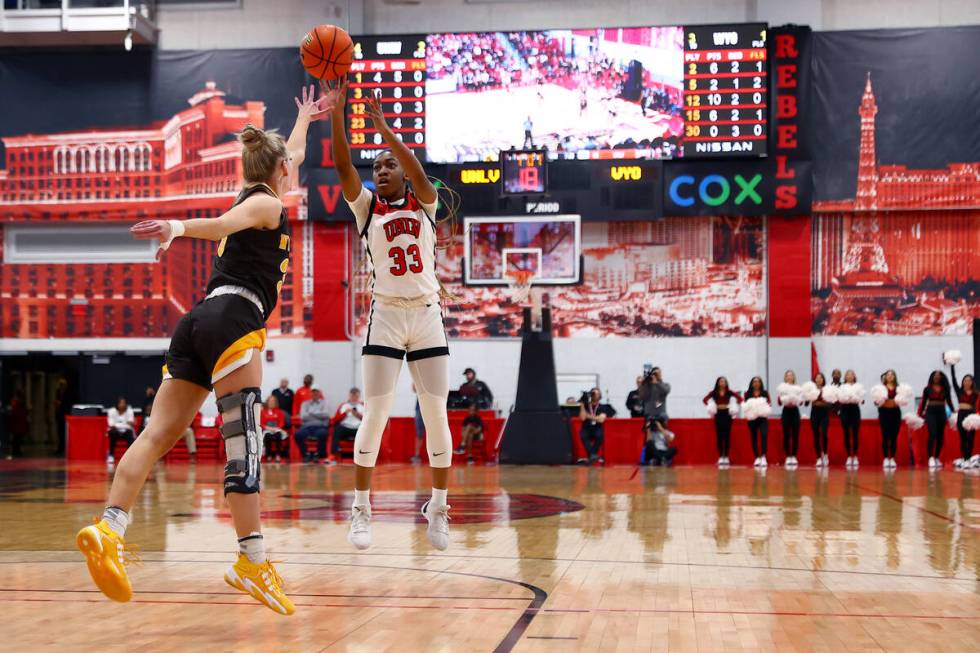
point(374, 112)
point(311, 108)
point(336, 95)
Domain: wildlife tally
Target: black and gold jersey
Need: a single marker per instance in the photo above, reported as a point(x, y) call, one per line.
point(256, 259)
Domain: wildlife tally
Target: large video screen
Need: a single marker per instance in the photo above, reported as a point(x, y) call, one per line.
point(638, 92)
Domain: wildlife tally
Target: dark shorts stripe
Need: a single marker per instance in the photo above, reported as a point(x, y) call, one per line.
point(431, 352)
point(380, 350)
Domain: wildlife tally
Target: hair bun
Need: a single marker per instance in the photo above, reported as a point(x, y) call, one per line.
point(252, 137)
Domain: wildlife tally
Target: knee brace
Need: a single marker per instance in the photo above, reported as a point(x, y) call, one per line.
point(242, 440)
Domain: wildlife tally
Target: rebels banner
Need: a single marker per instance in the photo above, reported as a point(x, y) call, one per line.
point(791, 63)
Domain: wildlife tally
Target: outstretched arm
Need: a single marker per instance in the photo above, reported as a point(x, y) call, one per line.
point(424, 190)
point(260, 211)
point(349, 179)
point(308, 110)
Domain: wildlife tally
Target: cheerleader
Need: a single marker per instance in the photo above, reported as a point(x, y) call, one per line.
point(722, 396)
point(967, 397)
point(887, 397)
point(397, 226)
point(850, 395)
point(936, 397)
point(757, 413)
point(790, 396)
point(814, 393)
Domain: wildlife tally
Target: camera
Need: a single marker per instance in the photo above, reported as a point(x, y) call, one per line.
point(648, 373)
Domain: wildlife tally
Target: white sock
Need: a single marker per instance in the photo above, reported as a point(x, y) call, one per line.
point(438, 497)
point(362, 498)
point(253, 546)
point(118, 519)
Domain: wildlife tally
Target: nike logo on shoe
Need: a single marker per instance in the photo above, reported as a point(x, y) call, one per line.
point(362, 452)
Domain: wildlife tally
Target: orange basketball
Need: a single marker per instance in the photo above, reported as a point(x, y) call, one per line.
point(327, 52)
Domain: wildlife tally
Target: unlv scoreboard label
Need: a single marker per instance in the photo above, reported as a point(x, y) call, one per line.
point(726, 97)
point(395, 67)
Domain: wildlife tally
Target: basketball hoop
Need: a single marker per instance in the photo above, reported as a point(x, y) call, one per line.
point(520, 285)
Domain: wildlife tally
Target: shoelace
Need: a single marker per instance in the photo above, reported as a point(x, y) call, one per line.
point(270, 573)
point(444, 511)
point(359, 519)
point(128, 554)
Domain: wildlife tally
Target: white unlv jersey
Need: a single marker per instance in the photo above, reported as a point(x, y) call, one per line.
point(400, 238)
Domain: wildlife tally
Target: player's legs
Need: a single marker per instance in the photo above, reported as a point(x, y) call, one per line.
point(104, 544)
point(240, 403)
point(380, 375)
point(431, 377)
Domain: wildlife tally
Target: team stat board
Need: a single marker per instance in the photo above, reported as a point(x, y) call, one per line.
point(726, 95)
point(394, 67)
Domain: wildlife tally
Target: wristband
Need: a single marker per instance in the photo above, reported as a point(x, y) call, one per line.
point(176, 231)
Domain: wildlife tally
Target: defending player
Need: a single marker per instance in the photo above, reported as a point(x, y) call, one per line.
point(214, 347)
point(398, 229)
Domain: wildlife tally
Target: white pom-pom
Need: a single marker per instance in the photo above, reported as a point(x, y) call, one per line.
point(952, 357)
point(879, 394)
point(904, 394)
point(810, 391)
point(830, 393)
point(972, 422)
point(733, 408)
point(712, 408)
point(913, 421)
point(755, 408)
point(858, 392)
point(789, 395)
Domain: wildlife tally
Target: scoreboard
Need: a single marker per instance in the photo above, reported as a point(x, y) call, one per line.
point(395, 67)
point(726, 95)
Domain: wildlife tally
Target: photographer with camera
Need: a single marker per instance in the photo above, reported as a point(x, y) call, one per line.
point(653, 393)
point(658, 450)
point(593, 415)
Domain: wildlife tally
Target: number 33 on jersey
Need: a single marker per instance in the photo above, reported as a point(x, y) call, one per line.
point(400, 238)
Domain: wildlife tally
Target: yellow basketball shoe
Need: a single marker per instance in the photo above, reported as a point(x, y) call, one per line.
point(262, 582)
point(107, 556)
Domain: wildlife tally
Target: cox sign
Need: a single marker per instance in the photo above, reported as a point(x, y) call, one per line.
point(745, 187)
point(714, 190)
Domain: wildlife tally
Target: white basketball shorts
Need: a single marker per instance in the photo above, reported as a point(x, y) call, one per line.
point(394, 331)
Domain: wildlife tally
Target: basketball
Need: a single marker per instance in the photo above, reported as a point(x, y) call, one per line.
point(327, 52)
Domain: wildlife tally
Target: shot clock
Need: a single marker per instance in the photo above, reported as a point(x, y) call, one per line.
point(393, 68)
point(524, 172)
point(726, 95)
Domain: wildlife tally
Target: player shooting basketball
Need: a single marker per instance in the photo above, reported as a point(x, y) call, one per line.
point(397, 226)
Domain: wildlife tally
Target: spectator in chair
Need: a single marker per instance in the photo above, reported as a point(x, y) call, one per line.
point(316, 424)
point(121, 425)
point(658, 449)
point(274, 434)
point(302, 395)
point(594, 415)
point(653, 392)
point(475, 390)
point(284, 396)
point(634, 404)
point(472, 431)
point(346, 421)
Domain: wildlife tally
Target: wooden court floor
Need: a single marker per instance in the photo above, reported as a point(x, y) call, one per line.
point(542, 559)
